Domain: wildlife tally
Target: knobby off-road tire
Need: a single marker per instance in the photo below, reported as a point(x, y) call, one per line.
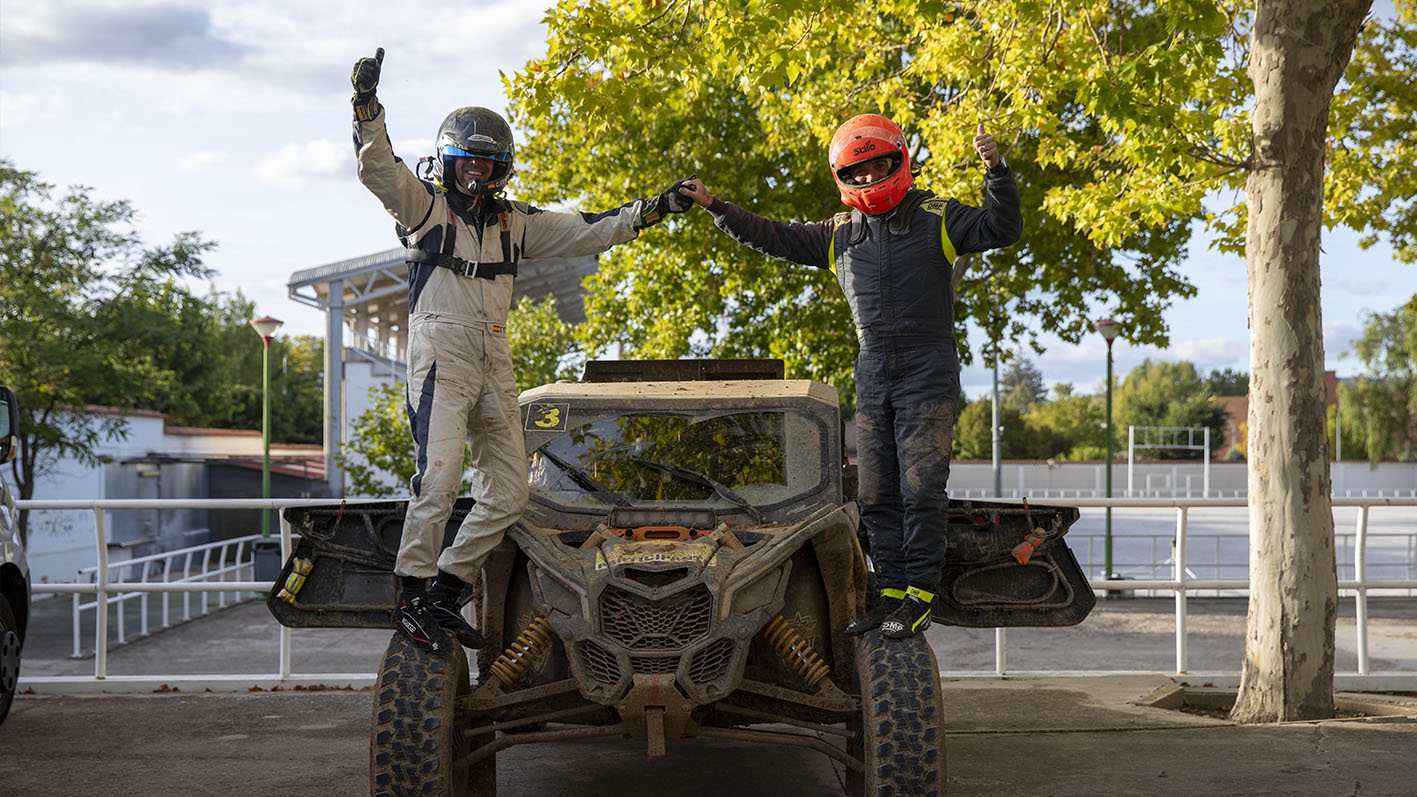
point(416, 732)
point(900, 733)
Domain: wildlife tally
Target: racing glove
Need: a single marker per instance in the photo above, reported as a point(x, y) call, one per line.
point(670, 201)
point(365, 79)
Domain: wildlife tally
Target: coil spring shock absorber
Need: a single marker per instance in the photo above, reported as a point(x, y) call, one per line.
point(523, 652)
point(796, 651)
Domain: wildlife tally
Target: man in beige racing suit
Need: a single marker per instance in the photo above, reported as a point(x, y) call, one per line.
point(464, 241)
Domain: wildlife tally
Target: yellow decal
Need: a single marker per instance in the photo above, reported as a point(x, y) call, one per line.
point(547, 417)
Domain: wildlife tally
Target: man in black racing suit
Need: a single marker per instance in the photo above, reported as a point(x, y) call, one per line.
point(893, 256)
point(464, 241)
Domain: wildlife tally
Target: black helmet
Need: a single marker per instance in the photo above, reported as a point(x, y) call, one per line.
point(478, 133)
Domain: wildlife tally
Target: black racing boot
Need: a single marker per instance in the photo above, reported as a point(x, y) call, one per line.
point(414, 619)
point(443, 600)
point(876, 613)
point(911, 617)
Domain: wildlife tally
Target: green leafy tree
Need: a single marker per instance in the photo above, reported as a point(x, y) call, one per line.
point(1380, 405)
point(1075, 420)
point(974, 440)
point(83, 309)
point(680, 80)
point(1228, 382)
point(544, 347)
point(1021, 385)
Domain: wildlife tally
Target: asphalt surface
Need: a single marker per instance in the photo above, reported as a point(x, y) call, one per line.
point(1005, 736)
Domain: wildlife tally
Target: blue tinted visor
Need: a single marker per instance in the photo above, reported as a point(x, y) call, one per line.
point(457, 152)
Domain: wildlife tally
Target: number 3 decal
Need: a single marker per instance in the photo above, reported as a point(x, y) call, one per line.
point(546, 417)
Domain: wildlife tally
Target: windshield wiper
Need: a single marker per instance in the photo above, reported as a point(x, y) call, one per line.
point(694, 477)
point(585, 480)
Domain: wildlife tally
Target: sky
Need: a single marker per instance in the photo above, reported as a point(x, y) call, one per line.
point(232, 118)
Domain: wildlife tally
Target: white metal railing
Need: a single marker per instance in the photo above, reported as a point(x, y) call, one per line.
point(103, 587)
point(1160, 556)
point(1182, 582)
point(215, 562)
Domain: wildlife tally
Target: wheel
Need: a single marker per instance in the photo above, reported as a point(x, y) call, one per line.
point(9, 657)
point(417, 733)
point(900, 733)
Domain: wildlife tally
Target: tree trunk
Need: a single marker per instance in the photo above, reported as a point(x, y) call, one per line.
point(1300, 48)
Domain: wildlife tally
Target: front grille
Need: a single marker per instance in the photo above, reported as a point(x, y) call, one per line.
point(599, 663)
point(669, 624)
point(654, 665)
point(709, 664)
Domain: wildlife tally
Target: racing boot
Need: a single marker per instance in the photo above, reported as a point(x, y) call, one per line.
point(443, 603)
point(414, 619)
point(877, 612)
point(909, 618)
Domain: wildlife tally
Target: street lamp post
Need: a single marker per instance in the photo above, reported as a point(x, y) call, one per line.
point(266, 327)
point(1108, 328)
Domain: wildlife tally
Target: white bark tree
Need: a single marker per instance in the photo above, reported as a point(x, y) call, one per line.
point(1299, 51)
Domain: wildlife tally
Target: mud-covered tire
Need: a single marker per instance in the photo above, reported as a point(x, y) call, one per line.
point(416, 732)
point(900, 734)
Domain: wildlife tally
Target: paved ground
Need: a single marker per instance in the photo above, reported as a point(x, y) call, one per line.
point(1012, 737)
point(1048, 735)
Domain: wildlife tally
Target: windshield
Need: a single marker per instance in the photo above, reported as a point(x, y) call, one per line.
point(744, 459)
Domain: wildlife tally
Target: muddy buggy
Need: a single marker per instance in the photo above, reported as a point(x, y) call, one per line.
point(685, 568)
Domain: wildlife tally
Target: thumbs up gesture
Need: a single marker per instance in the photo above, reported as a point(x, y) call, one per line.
point(987, 147)
point(365, 76)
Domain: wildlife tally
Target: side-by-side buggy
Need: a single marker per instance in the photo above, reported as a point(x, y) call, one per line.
point(686, 567)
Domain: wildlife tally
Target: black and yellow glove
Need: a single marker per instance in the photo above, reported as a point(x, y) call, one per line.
point(670, 201)
point(365, 79)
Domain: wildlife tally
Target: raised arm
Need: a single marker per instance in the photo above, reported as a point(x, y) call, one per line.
point(1000, 222)
point(805, 243)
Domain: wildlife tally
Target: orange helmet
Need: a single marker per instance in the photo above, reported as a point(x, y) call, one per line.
point(864, 138)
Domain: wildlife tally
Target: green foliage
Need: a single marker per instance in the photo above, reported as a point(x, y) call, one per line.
point(632, 96)
point(1021, 385)
point(80, 305)
point(1076, 422)
point(1228, 382)
point(89, 316)
point(543, 346)
point(1120, 119)
point(1379, 407)
point(1023, 437)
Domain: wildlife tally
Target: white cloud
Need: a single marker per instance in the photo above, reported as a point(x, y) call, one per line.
point(297, 165)
point(199, 161)
point(1373, 286)
point(1211, 353)
point(28, 107)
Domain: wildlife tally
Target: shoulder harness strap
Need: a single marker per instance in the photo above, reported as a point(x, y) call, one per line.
point(467, 268)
